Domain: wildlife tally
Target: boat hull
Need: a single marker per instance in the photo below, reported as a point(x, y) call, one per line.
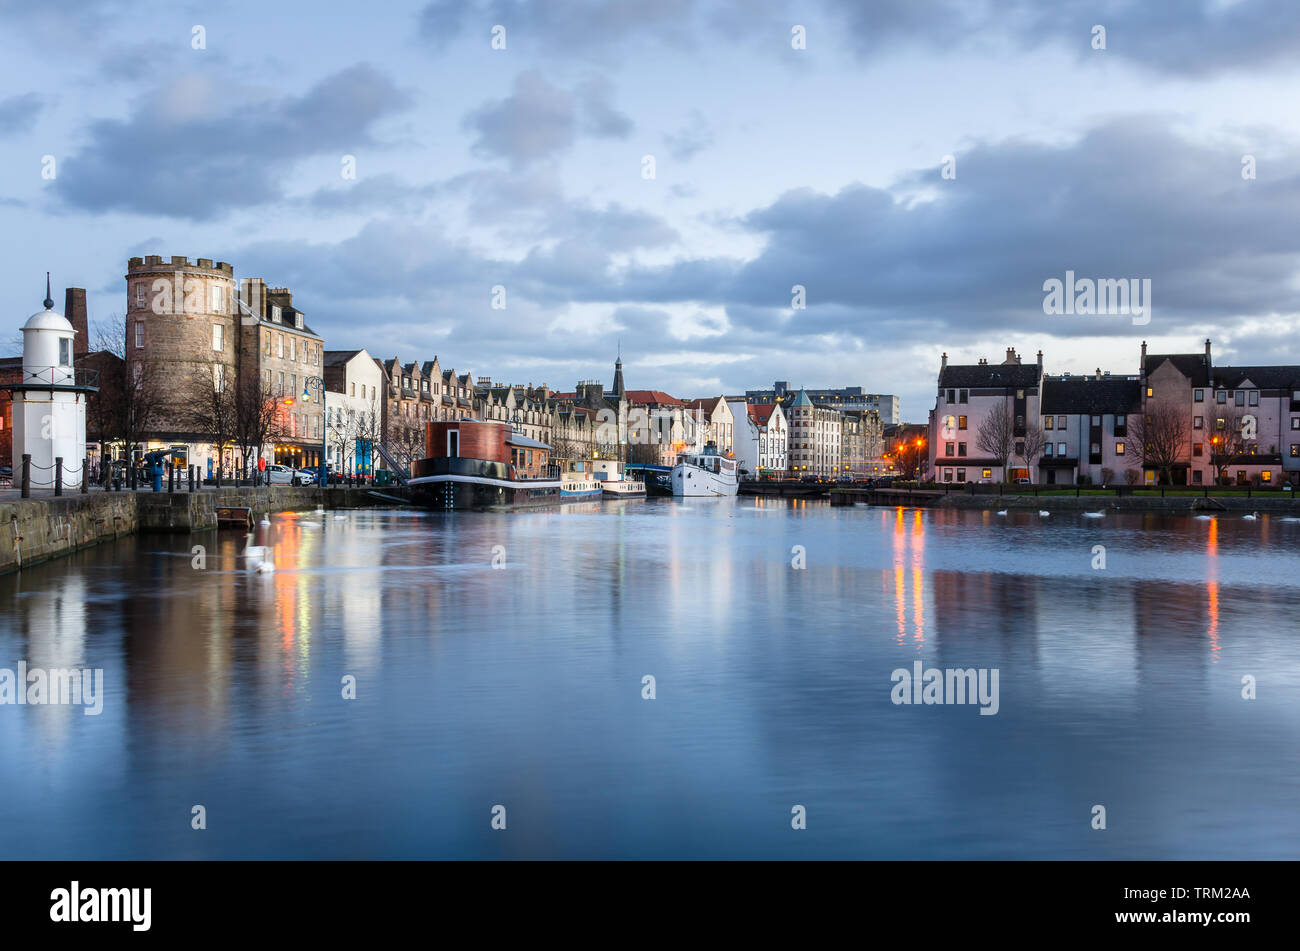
point(467, 493)
point(624, 490)
point(696, 482)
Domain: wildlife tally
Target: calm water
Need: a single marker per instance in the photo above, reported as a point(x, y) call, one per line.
point(522, 687)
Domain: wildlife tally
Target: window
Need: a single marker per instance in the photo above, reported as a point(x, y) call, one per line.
point(219, 377)
point(1095, 449)
point(1121, 424)
point(1198, 396)
point(293, 348)
point(137, 370)
point(282, 383)
point(1254, 401)
point(424, 385)
point(218, 338)
point(961, 475)
point(1047, 422)
point(218, 298)
point(1047, 450)
point(1020, 447)
point(1096, 421)
point(1150, 392)
point(1060, 423)
point(1198, 449)
point(279, 346)
point(276, 314)
point(1060, 449)
point(1295, 422)
point(1196, 477)
point(297, 319)
point(1239, 398)
point(139, 334)
point(352, 390)
point(140, 294)
point(951, 396)
point(988, 473)
point(1119, 449)
point(1198, 422)
point(947, 475)
point(1218, 423)
point(65, 352)
point(1266, 475)
point(963, 396)
point(1295, 450)
point(1221, 397)
point(961, 449)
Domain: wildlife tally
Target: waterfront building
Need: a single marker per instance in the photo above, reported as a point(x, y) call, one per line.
point(1086, 429)
point(863, 444)
point(354, 382)
point(1257, 420)
point(816, 438)
point(999, 400)
point(761, 436)
point(843, 399)
point(658, 427)
point(715, 422)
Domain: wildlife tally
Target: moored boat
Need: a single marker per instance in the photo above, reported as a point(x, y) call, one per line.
point(704, 473)
point(615, 482)
point(474, 464)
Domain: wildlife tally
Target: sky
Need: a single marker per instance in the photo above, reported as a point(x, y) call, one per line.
point(919, 167)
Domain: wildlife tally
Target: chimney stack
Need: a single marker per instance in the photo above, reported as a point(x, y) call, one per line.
point(1040, 359)
point(944, 364)
point(74, 308)
point(1207, 349)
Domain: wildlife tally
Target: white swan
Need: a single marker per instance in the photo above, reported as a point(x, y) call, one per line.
point(1003, 512)
point(1205, 518)
point(1093, 514)
point(1043, 514)
point(265, 522)
point(257, 557)
point(1251, 517)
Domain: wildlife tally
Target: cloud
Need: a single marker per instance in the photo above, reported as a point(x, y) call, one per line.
point(538, 120)
point(1192, 38)
point(192, 149)
point(18, 113)
point(694, 137)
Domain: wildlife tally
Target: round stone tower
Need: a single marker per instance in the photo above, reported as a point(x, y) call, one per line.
point(181, 318)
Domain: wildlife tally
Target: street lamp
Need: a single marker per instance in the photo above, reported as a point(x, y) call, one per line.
point(319, 384)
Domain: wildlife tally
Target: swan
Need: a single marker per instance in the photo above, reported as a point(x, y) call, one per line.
point(1289, 518)
point(265, 522)
point(257, 557)
point(1043, 514)
point(1093, 514)
point(1003, 512)
point(1251, 517)
point(1205, 518)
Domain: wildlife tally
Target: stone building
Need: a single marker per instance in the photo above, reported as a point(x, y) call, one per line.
point(816, 438)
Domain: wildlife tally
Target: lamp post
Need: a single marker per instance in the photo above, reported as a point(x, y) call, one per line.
point(319, 384)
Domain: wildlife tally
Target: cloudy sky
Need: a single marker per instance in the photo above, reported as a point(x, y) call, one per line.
point(525, 167)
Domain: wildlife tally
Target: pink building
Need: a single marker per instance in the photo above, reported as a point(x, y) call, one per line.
point(968, 394)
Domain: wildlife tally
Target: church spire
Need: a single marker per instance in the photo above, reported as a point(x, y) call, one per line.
point(618, 372)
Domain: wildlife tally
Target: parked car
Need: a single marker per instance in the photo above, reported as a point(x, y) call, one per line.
point(809, 478)
point(1023, 482)
point(884, 482)
point(306, 476)
point(280, 475)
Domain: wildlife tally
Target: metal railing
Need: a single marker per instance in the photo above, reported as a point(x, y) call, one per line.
point(60, 376)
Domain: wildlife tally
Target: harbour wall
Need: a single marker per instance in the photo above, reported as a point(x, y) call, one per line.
point(35, 530)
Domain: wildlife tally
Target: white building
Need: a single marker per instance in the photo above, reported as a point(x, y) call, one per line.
point(761, 435)
point(49, 406)
point(354, 403)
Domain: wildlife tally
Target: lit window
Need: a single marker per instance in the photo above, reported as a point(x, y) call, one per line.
point(1119, 449)
point(1150, 392)
point(1047, 422)
point(1266, 475)
point(1198, 422)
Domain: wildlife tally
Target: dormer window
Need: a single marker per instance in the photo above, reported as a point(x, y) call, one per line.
point(276, 314)
point(297, 320)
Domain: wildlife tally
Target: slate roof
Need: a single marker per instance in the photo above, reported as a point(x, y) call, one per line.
point(1191, 365)
point(1086, 396)
point(980, 375)
point(337, 358)
point(1266, 378)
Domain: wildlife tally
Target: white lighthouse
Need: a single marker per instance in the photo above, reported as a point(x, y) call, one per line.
point(49, 406)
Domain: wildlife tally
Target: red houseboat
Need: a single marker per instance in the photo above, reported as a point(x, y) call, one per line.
point(475, 464)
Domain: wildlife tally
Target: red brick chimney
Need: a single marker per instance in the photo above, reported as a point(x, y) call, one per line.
point(74, 308)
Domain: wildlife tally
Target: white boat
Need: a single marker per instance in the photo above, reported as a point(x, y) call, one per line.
point(579, 485)
point(614, 482)
point(704, 473)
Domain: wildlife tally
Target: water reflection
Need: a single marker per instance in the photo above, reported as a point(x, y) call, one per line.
point(500, 657)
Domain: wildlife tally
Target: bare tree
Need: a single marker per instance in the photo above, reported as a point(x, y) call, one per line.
point(406, 444)
point(1228, 441)
point(258, 418)
point(1160, 434)
point(997, 437)
point(208, 406)
point(133, 393)
point(1031, 444)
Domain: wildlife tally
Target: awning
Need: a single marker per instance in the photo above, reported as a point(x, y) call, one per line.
point(520, 441)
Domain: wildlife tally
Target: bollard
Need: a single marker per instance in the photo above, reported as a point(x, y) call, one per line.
point(171, 477)
point(85, 474)
point(27, 475)
point(191, 468)
point(58, 475)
